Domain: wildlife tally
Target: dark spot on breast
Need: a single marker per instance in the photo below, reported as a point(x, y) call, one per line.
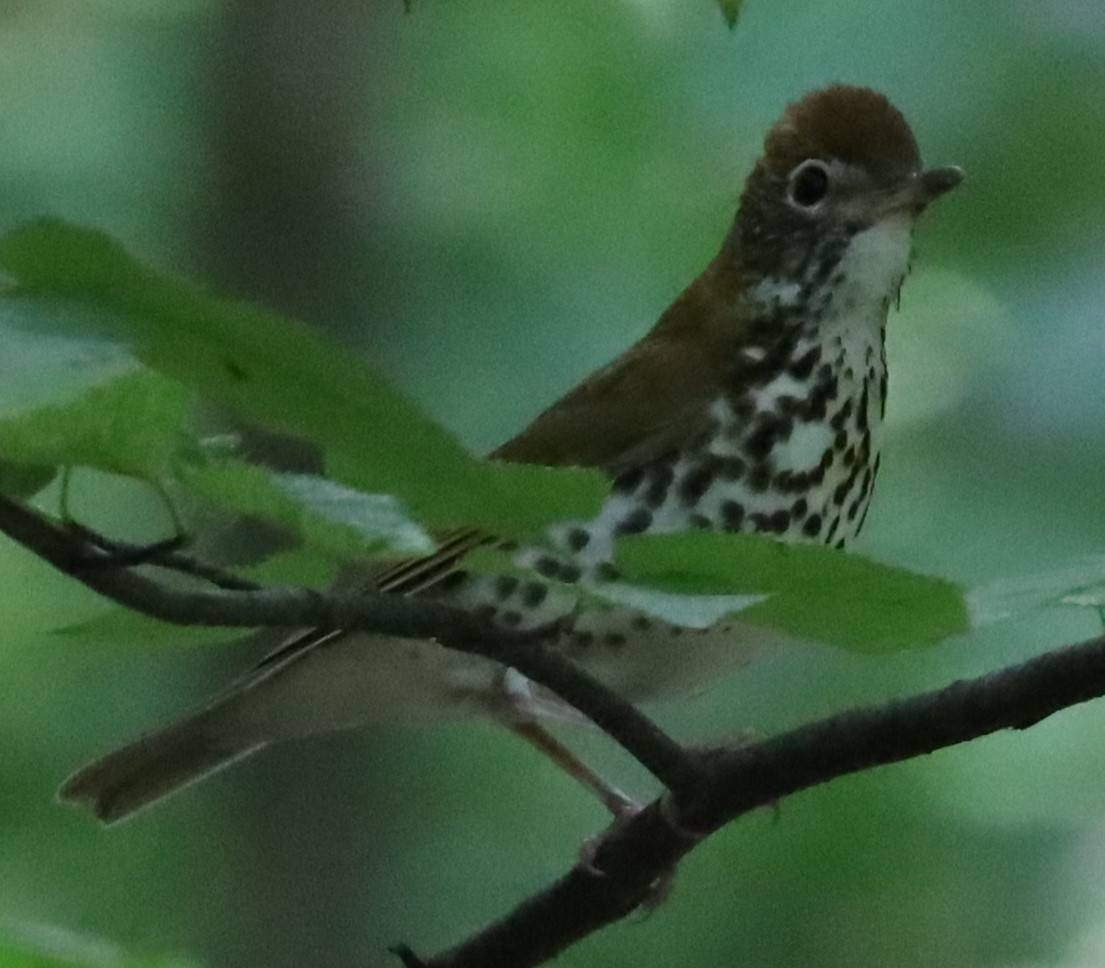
point(605, 571)
point(583, 639)
point(732, 515)
point(817, 404)
point(812, 527)
point(787, 406)
point(659, 480)
point(834, 524)
point(759, 478)
point(853, 508)
point(841, 492)
point(742, 410)
point(779, 521)
point(511, 619)
point(855, 474)
point(569, 573)
point(730, 468)
point(505, 586)
point(840, 418)
point(849, 457)
point(861, 415)
point(642, 623)
point(697, 481)
point(802, 367)
point(533, 593)
point(799, 508)
point(839, 544)
point(755, 373)
point(882, 394)
point(771, 430)
point(614, 640)
point(628, 481)
point(635, 522)
point(864, 455)
point(840, 440)
point(578, 538)
point(549, 567)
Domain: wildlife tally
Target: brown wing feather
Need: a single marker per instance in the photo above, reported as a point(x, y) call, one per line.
point(654, 397)
point(407, 577)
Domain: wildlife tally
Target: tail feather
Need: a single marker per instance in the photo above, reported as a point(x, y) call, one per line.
point(138, 775)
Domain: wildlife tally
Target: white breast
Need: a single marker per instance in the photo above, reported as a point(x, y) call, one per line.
point(874, 265)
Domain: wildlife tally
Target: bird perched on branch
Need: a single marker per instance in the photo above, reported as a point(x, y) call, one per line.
point(755, 404)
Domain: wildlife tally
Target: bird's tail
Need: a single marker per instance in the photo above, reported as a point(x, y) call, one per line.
point(156, 765)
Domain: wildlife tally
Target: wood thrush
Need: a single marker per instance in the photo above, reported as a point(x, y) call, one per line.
point(755, 404)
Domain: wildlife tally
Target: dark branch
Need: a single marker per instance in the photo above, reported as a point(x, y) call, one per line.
point(107, 552)
point(742, 779)
point(707, 789)
point(71, 552)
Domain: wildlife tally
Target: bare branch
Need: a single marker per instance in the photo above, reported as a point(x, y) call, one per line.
point(744, 778)
point(71, 552)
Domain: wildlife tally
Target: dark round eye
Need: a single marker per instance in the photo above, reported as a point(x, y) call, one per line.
point(809, 184)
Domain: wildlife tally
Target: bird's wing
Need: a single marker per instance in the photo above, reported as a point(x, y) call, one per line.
point(634, 411)
point(407, 577)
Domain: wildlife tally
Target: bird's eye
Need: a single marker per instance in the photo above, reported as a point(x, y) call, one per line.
point(809, 184)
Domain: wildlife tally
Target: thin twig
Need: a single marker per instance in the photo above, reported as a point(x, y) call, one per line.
point(165, 554)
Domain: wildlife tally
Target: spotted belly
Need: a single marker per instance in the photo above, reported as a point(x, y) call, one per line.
point(802, 471)
point(793, 458)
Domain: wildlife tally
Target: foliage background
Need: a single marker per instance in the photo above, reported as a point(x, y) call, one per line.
point(489, 200)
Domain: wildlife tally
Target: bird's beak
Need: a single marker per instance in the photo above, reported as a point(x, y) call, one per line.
point(921, 189)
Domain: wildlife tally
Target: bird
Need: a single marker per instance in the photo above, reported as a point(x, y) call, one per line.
point(754, 405)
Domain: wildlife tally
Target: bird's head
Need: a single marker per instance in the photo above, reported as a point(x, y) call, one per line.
point(840, 171)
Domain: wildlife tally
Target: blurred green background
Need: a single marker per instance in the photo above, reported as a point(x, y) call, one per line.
point(488, 200)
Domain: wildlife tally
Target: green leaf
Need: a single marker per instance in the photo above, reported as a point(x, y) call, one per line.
point(283, 376)
point(117, 624)
point(327, 515)
point(813, 592)
point(133, 425)
point(731, 11)
point(24, 480)
point(1080, 584)
point(47, 946)
point(54, 350)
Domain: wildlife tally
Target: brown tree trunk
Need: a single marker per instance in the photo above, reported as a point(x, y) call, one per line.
point(286, 217)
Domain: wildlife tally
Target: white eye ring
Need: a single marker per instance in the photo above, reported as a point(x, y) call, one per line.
point(808, 184)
